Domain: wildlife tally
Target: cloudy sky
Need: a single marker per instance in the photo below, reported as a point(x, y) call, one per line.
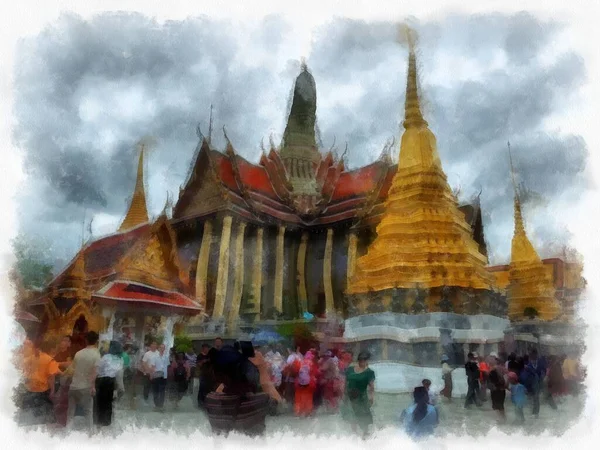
point(87, 90)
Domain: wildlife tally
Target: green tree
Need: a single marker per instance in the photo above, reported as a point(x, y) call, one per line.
point(183, 343)
point(30, 267)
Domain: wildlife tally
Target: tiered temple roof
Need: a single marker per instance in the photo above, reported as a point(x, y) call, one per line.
point(423, 239)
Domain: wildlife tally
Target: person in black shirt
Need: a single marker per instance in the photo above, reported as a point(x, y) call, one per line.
point(472, 370)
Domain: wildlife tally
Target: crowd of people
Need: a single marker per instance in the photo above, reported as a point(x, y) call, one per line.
point(60, 383)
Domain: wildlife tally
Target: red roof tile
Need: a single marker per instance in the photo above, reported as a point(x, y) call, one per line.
point(125, 291)
point(225, 171)
point(358, 182)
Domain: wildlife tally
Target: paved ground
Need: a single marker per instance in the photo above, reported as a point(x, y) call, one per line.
point(453, 418)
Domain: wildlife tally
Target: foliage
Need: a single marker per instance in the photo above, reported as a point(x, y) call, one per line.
point(299, 333)
point(30, 268)
point(183, 343)
point(530, 312)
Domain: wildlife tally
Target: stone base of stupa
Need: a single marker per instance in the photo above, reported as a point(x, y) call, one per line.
point(550, 338)
point(422, 339)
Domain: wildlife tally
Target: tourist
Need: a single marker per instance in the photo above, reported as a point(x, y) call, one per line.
point(472, 371)
point(192, 359)
point(40, 371)
point(484, 372)
point(359, 395)
point(447, 377)
point(158, 375)
point(140, 377)
point(511, 364)
point(149, 364)
point(555, 380)
point(218, 345)
point(426, 383)
point(206, 375)
point(497, 386)
point(420, 418)
point(571, 374)
point(517, 396)
point(83, 387)
point(109, 378)
point(181, 378)
point(330, 381)
point(63, 355)
point(306, 384)
point(289, 375)
point(535, 372)
point(256, 357)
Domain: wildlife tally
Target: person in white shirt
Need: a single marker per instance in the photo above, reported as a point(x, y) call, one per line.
point(109, 379)
point(160, 365)
point(83, 387)
point(148, 366)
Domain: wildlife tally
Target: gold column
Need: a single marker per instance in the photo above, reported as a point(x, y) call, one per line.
point(223, 272)
point(202, 267)
point(278, 297)
point(257, 274)
point(352, 244)
point(238, 285)
point(329, 304)
point(302, 273)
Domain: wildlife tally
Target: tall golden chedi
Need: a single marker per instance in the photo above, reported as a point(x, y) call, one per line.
point(531, 291)
point(423, 240)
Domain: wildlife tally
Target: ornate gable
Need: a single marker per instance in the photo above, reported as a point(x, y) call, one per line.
point(153, 261)
point(203, 192)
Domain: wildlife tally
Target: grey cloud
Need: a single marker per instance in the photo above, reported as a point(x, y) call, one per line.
point(181, 67)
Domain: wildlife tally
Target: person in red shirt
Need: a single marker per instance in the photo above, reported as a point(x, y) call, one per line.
point(306, 384)
point(484, 373)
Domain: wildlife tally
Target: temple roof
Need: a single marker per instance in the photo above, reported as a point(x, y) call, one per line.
point(136, 293)
point(258, 192)
point(145, 255)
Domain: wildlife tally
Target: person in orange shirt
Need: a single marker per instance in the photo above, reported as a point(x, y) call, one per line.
point(484, 373)
point(40, 370)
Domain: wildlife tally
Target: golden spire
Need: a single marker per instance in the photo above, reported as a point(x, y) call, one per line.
point(423, 239)
point(412, 108)
point(138, 212)
point(531, 283)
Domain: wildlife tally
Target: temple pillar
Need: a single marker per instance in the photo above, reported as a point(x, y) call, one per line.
point(329, 303)
point(278, 295)
point(384, 350)
point(238, 284)
point(223, 272)
point(202, 267)
point(302, 294)
point(257, 272)
point(139, 331)
point(352, 246)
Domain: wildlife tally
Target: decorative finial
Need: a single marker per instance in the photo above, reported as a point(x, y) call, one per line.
point(303, 66)
point(199, 132)
point(226, 137)
point(332, 145)
point(271, 142)
point(262, 144)
point(210, 124)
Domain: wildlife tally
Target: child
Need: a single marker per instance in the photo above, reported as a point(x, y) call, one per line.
point(517, 395)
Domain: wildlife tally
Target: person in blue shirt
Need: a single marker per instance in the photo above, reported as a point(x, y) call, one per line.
point(420, 418)
point(517, 395)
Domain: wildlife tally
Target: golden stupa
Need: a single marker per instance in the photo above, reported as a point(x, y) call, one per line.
point(530, 283)
point(423, 240)
point(138, 212)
